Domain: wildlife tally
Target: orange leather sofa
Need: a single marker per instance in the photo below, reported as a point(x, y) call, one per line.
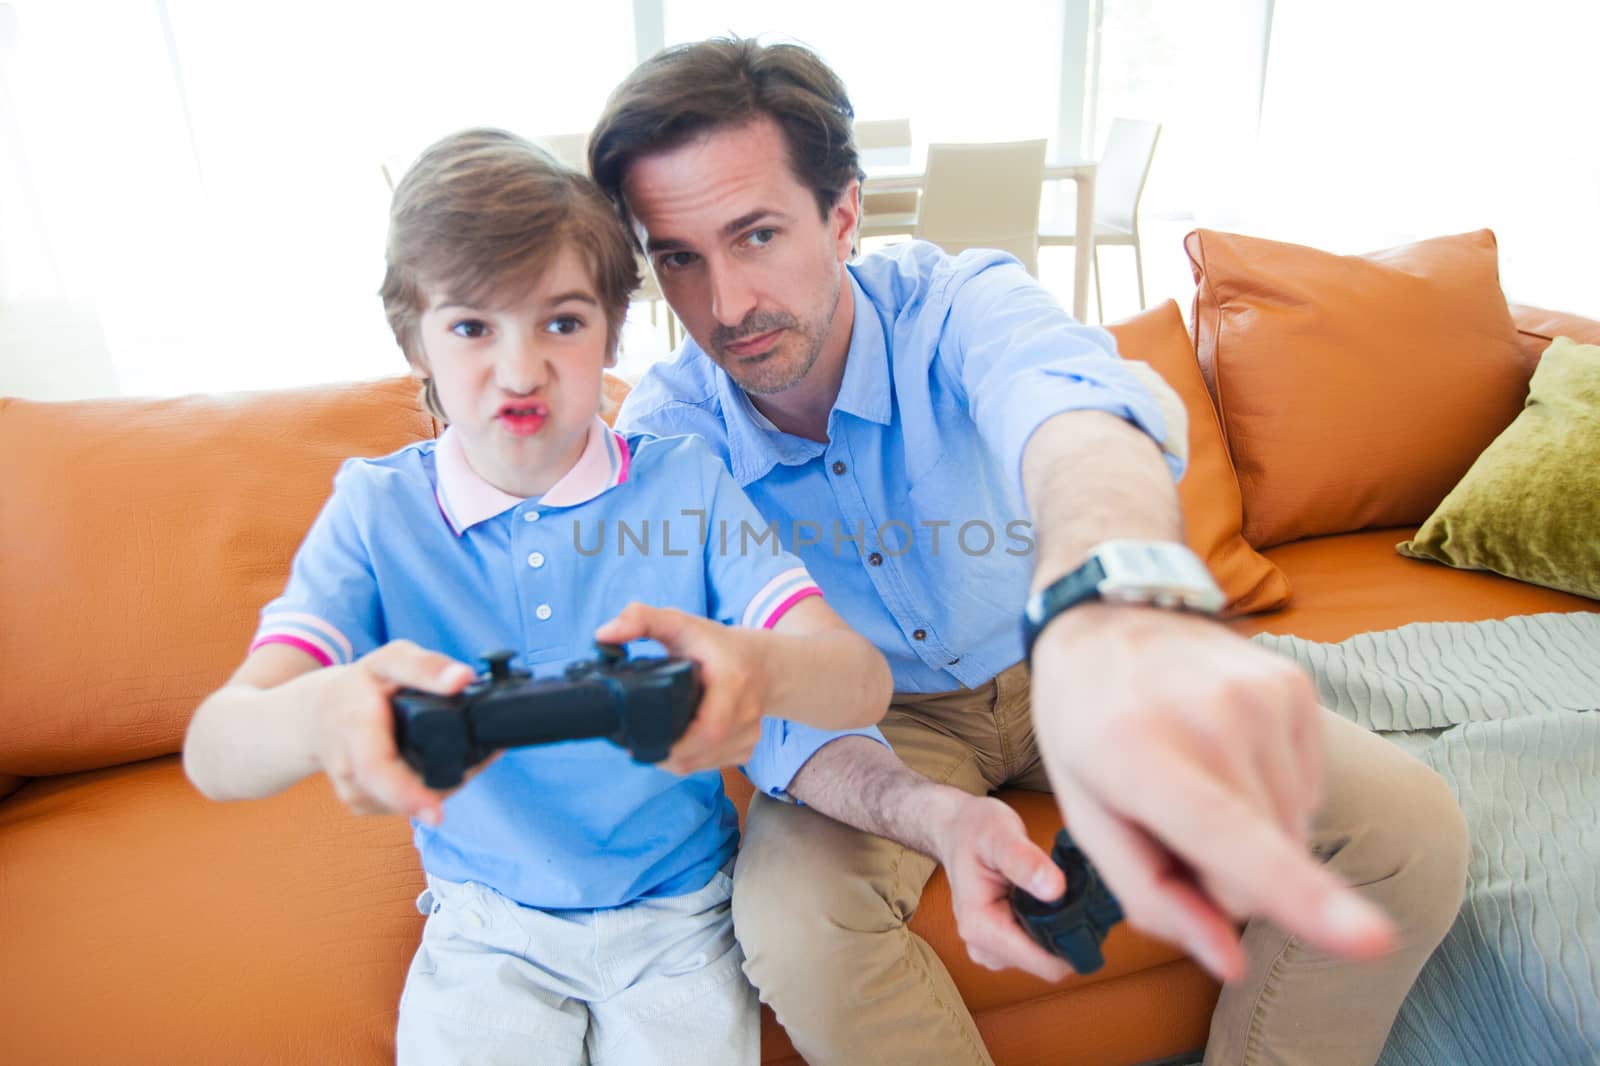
point(141, 923)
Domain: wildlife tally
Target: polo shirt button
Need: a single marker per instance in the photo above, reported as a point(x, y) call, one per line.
point(838, 466)
point(536, 560)
point(921, 634)
point(875, 559)
point(530, 516)
point(542, 612)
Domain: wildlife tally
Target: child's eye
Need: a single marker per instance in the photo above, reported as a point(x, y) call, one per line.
point(470, 328)
point(675, 260)
point(760, 237)
point(564, 325)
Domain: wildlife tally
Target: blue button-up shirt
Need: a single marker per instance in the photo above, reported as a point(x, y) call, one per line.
point(911, 515)
point(416, 545)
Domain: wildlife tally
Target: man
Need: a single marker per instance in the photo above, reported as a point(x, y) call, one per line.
point(870, 407)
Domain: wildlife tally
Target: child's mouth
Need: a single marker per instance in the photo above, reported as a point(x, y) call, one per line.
point(523, 420)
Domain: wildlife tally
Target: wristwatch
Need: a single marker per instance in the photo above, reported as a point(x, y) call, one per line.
point(1154, 572)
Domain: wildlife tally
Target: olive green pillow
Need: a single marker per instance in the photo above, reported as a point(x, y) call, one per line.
point(1529, 507)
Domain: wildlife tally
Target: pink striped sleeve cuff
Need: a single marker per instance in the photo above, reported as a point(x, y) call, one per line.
point(309, 633)
point(778, 596)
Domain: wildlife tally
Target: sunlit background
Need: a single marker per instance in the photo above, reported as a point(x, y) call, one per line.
point(192, 194)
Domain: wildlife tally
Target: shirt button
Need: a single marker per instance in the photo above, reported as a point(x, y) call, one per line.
point(838, 466)
point(536, 560)
point(530, 516)
point(875, 559)
point(542, 612)
point(921, 634)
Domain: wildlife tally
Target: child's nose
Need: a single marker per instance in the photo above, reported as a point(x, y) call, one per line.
point(521, 368)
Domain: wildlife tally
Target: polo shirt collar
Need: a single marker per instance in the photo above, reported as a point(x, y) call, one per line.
point(755, 445)
point(465, 499)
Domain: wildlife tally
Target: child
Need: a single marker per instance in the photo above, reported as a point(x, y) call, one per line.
point(577, 902)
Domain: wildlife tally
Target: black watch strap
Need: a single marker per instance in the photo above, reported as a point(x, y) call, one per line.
point(1077, 586)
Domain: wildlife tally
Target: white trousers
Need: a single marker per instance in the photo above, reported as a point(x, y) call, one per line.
point(656, 983)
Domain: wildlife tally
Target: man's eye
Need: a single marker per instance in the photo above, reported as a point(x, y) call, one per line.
point(470, 328)
point(564, 325)
point(675, 260)
point(760, 237)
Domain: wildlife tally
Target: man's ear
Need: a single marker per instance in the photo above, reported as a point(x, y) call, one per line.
point(845, 219)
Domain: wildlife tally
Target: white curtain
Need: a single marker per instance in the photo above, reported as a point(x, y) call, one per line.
point(190, 192)
point(1387, 122)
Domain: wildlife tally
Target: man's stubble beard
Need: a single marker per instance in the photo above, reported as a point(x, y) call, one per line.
point(768, 377)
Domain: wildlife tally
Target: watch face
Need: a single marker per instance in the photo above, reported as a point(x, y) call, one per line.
point(1159, 573)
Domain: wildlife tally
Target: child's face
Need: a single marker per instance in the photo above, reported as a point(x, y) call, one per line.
point(520, 380)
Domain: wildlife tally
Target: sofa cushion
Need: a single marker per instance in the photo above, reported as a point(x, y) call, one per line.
point(1209, 490)
point(285, 926)
point(1529, 507)
point(1354, 391)
point(145, 923)
point(138, 541)
point(1355, 582)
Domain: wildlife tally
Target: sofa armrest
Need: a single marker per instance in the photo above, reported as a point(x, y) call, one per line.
point(1538, 326)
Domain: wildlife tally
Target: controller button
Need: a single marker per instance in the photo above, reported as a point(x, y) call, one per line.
point(536, 559)
point(542, 612)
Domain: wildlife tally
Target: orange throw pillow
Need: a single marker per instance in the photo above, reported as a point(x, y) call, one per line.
point(1354, 391)
point(1209, 491)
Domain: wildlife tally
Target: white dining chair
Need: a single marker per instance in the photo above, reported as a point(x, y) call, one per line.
point(1119, 185)
point(885, 143)
point(984, 196)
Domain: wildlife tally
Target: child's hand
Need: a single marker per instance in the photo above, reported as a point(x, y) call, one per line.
point(732, 673)
point(353, 732)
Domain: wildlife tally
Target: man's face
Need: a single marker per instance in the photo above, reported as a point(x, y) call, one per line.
point(741, 251)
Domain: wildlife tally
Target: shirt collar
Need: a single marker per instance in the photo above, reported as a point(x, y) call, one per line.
point(755, 445)
point(465, 499)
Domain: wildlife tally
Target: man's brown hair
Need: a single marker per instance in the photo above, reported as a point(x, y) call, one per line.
point(483, 212)
point(692, 89)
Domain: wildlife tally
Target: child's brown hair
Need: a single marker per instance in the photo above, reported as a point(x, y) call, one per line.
point(483, 211)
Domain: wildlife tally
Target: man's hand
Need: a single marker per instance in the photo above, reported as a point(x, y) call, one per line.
point(352, 730)
point(732, 675)
point(1188, 763)
point(985, 850)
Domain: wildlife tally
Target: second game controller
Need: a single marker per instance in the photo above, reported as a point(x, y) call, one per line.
point(1074, 926)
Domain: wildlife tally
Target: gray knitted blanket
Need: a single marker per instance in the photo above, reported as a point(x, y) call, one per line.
point(1499, 710)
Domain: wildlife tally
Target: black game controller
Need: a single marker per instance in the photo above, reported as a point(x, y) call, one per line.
point(642, 705)
point(1074, 926)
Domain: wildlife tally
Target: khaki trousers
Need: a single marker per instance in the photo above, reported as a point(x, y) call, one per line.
point(821, 909)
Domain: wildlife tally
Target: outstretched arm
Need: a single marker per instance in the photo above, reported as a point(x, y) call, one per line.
point(283, 717)
point(1187, 760)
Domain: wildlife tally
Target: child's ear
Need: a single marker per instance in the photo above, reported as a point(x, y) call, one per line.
point(610, 361)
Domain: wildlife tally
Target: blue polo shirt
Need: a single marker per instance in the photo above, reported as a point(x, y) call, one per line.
point(911, 515)
point(415, 545)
